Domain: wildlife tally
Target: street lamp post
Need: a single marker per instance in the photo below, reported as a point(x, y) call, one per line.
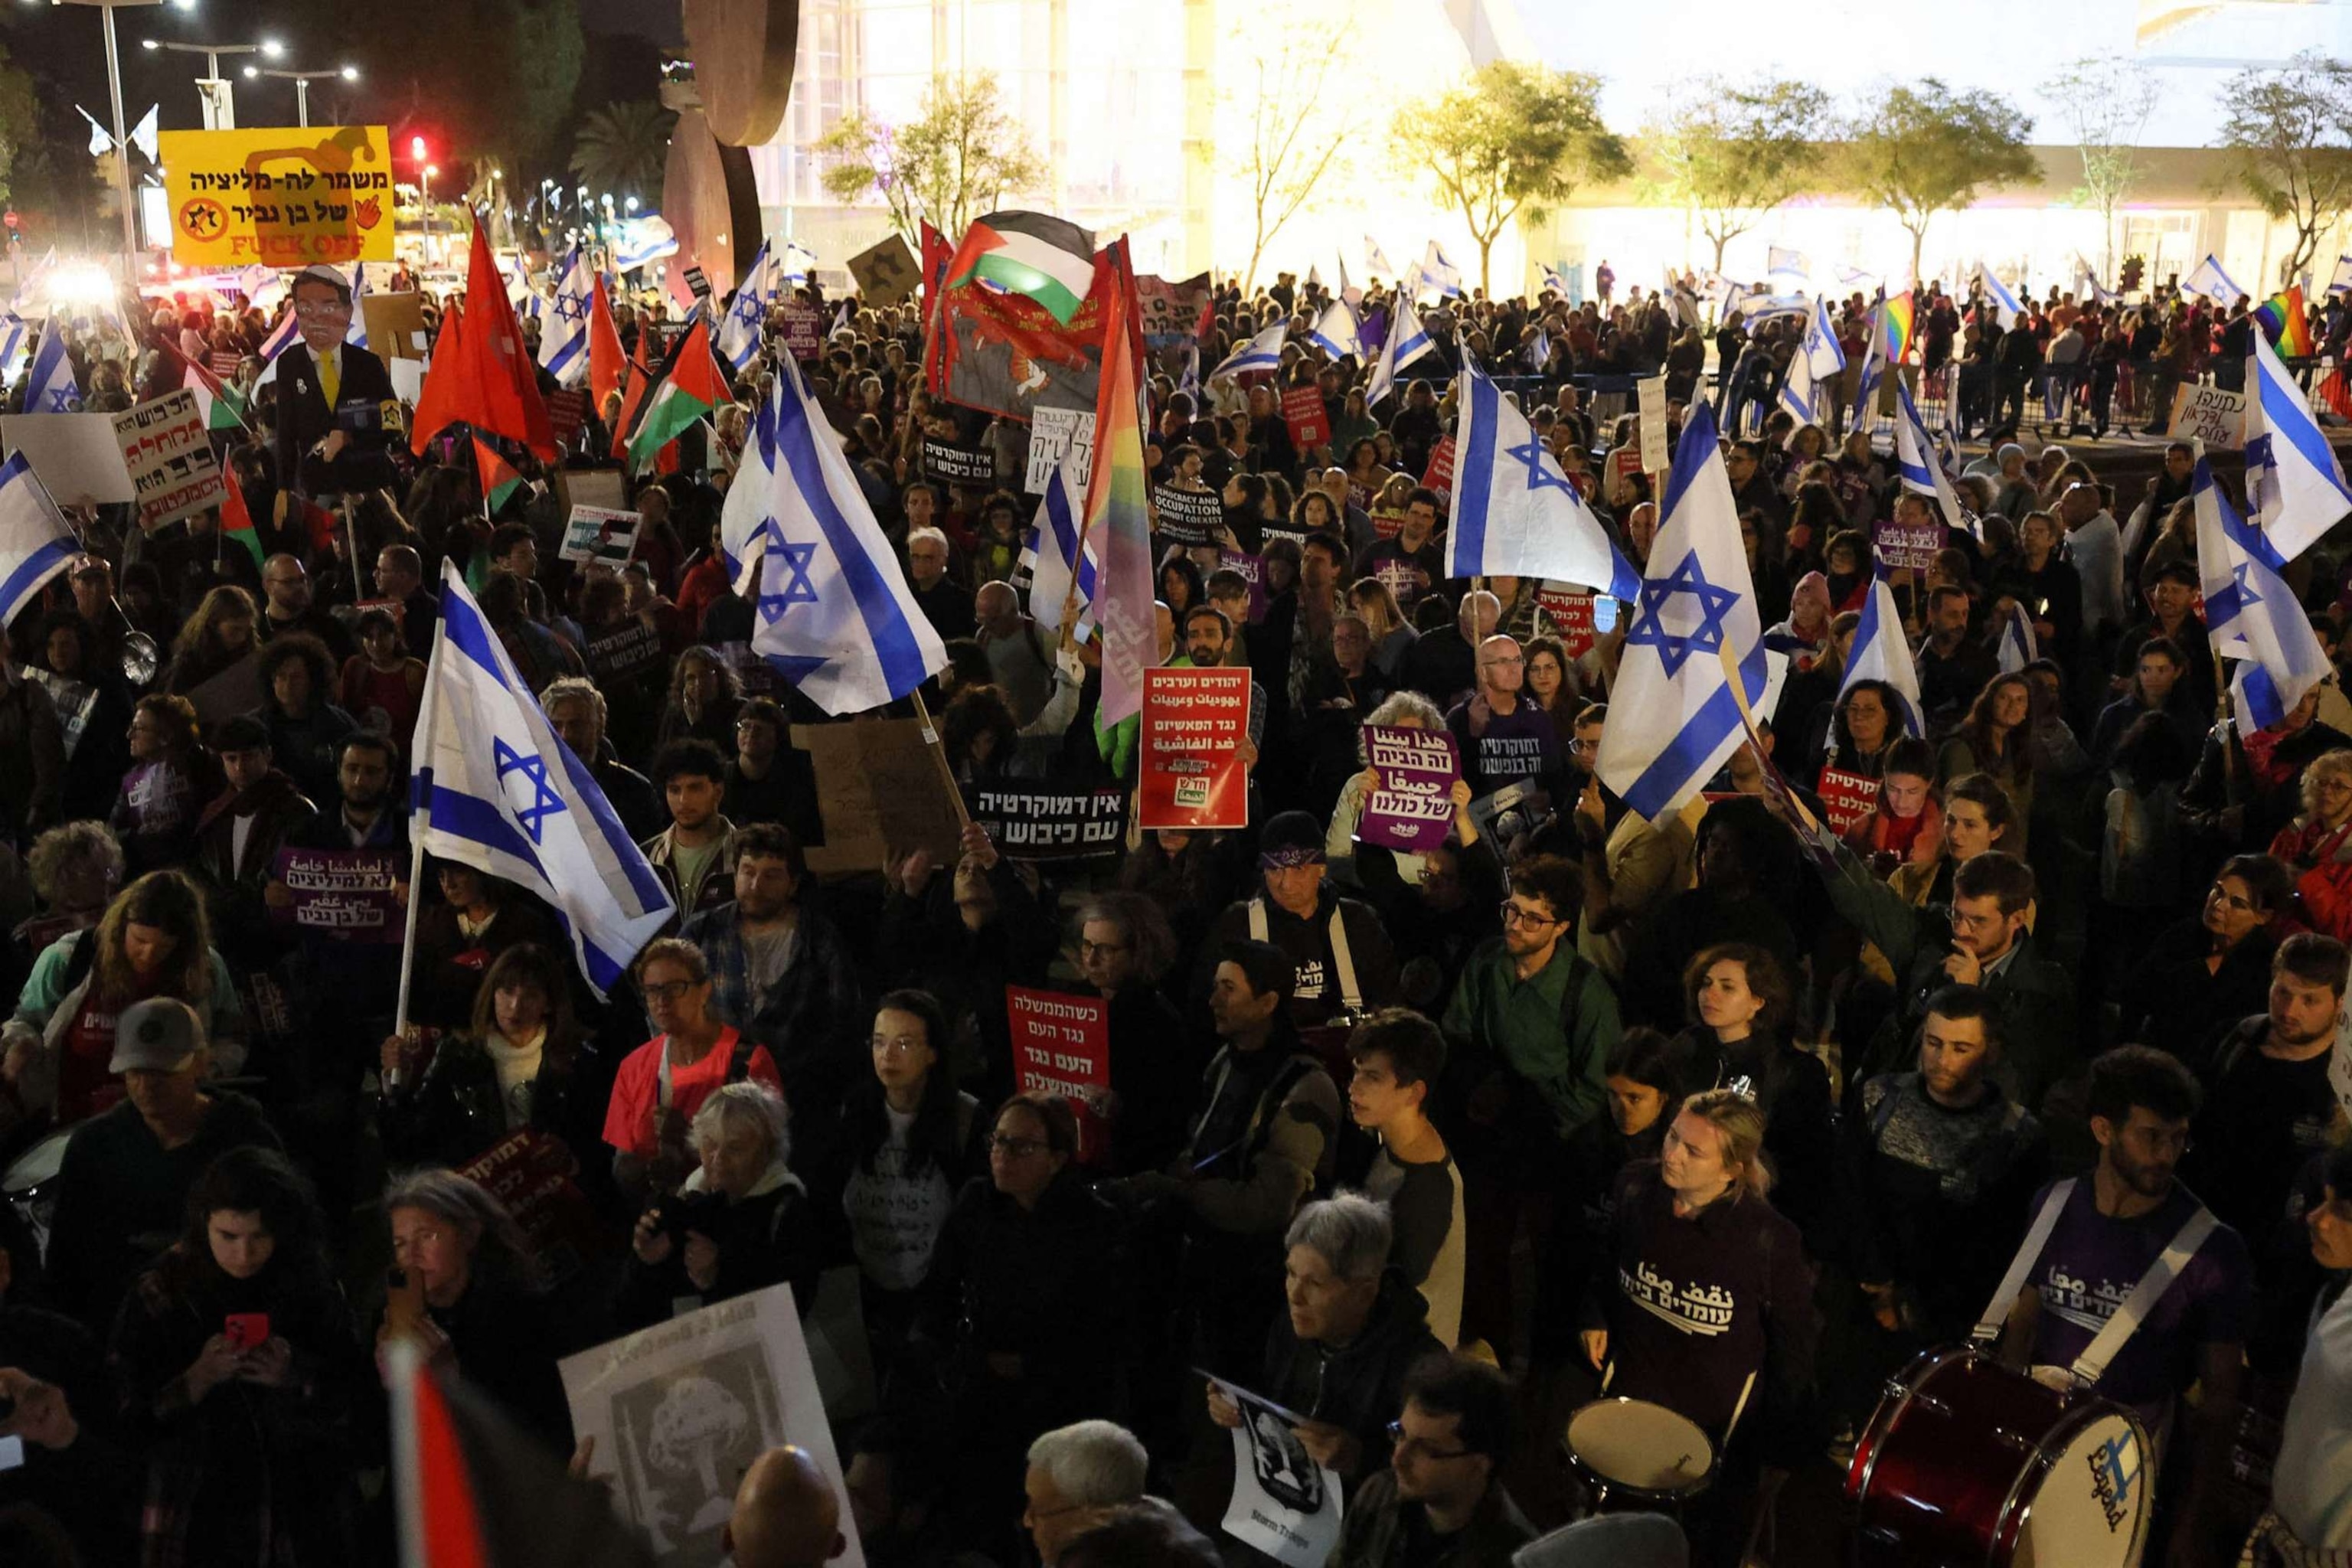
point(106, 9)
point(302, 80)
point(213, 89)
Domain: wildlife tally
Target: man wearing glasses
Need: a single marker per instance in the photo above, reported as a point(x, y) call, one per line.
point(1441, 1500)
point(331, 396)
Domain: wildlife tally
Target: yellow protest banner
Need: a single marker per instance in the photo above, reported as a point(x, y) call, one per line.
point(285, 198)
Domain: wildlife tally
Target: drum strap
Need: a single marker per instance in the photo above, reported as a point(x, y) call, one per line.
point(2005, 1294)
point(1343, 963)
point(2092, 1364)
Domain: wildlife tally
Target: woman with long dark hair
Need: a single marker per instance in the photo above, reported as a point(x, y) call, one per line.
point(241, 1378)
point(217, 636)
point(1996, 739)
point(1742, 1003)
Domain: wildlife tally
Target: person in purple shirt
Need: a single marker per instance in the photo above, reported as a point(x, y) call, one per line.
point(1502, 736)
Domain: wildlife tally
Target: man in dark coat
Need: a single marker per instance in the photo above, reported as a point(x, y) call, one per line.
point(336, 407)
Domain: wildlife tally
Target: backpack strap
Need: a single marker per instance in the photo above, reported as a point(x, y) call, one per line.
point(739, 1060)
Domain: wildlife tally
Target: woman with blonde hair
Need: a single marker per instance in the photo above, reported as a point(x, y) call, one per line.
point(1384, 618)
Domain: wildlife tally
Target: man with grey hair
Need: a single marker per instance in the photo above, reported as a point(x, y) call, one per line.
point(1078, 1474)
point(575, 711)
point(947, 606)
point(1354, 1329)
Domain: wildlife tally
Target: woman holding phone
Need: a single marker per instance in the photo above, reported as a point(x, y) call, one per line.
point(243, 1378)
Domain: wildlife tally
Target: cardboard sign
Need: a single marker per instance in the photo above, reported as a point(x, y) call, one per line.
point(886, 273)
point(606, 488)
point(952, 463)
point(395, 325)
point(1194, 722)
point(1252, 567)
point(1284, 1503)
point(1054, 432)
point(346, 894)
point(1846, 798)
point(1041, 820)
point(1174, 314)
point(1188, 518)
point(76, 457)
point(1061, 1044)
point(168, 453)
point(2210, 415)
point(1413, 805)
point(1309, 421)
point(1651, 394)
point(677, 1412)
point(1908, 544)
point(1439, 475)
point(602, 534)
point(633, 650)
point(287, 196)
point(1570, 611)
point(881, 795)
point(803, 331)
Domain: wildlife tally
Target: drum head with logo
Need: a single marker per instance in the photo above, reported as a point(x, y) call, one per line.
point(1633, 1444)
point(2092, 1505)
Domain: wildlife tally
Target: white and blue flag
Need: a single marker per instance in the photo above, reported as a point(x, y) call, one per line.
point(1539, 350)
point(2005, 308)
point(1786, 262)
point(1819, 358)
point(2018, 647)
point(1757, 305)
point(1438, 275)
point(2340, 281)
point(1555, 280)
point(1337, 331)
point(1880, 653)
point(281, 337)
point(14, 333)
point(2213, 284)
point(2251, 614)
point(1376, 260)
point(36, 543)
point(563, 330)
point(833, 610)
point(50, 387)
point(1920, 467)
point(1673, 714)
point(1262, 353)
point(356, 333)
point(1407, 342)
point(1349, 292)
point(495, 788)
point(738, 338)
point(1061, 513)
point(1515, 514)
point(2294, 486)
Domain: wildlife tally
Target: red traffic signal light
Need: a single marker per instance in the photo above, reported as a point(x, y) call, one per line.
point(416, 148)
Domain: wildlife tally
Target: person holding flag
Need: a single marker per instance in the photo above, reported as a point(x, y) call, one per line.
point(1407, 341)
point(1813, 369)
point(1880, 654)
point(564, 330)
point(2295, 482)
point(1515, 513)
point(2251, 614)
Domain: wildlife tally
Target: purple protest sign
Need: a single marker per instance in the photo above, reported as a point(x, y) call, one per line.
point(1252, 567)
point(343, 894)
point(1412, 807)
point(1908, 544)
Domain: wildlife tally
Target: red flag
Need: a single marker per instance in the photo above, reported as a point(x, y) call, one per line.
point(2335, 392)
point(936, 256)
point(318, 523)
point(488, 381)
point(604, 356)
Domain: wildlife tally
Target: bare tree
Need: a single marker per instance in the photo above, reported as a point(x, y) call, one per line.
point(2105, 101)
point(2289, 129)
point(1300, 115)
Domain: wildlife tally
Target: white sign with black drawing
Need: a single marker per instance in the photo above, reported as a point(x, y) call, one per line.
point(678, 1411)
point(1284, 1503)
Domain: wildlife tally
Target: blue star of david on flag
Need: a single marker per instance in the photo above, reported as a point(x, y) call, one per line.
point(1543, 474)
point(544, 801)
point(2244, 573)
point(796, 588)
point(1675, 648)
point(571, 307)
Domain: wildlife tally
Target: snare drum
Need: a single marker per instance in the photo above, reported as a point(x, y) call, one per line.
point(1633, 1455)
point(30, 1186)
point(1968, 1461)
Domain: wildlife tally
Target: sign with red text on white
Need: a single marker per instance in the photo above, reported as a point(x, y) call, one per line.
point(1194, 722)
point(1061, 1044)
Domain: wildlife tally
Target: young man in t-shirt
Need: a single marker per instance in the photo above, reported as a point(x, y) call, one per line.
point(1398, 1055)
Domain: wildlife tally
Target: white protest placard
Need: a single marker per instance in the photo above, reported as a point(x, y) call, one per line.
point(2339, 1065)
point(168, 452)
point(74, 455)
point(1051, 433)
point(1652, 409)
point(2210, 415)
point(678, 1411)
point(600, 533)
point(1284, 1503)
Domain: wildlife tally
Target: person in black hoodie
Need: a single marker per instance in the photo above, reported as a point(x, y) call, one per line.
point(1741, 1004)
point(1339, 1356)
point(1125, 949)
point(742, 1222)
point(1342, 954)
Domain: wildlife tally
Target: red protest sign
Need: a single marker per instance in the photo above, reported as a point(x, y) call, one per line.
point(1309, 421)
point(1439, 475)
point(1194, 722)
point(1846, 798)
point(1571, 612)
point(1061, 1044)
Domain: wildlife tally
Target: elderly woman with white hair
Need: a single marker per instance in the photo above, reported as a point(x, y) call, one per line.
point(1078, 1475)
point(1355, 1327)
point(741, 1223)
point(1402, 710)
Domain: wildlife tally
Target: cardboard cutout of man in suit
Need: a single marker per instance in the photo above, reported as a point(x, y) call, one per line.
point(336, 409)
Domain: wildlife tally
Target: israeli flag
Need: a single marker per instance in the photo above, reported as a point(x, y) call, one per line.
point(835, 614)
point(1880, 652)
point(281, 337)
point(51, 388)
point(356, 333)
point(2005, 308)
point(1673, 714)
point(1854, 277)
point(1819, 358)
point(1337, 332)
point(1349, 292)
point(738, 333)
point(798, 259)
point(1921, 468)
point(1438, 275)
point(1787, 262)
point(1262, 352)
point(1407, 342)
point(1515, 513)
point(1538, 351)
point(2341, 281)
point(2018, 645)
point(496, 789)
point(1189, 383)
point(2249, 613)
point(1757, 305)
point(1555, 279)
point(1060, 513)
point(2294, 486)
point(14, 331)
point(1684, 300)
point(1376, 261)
point(563, 331)
point(2213, 284)
point(36, 543)
point(1874, 368)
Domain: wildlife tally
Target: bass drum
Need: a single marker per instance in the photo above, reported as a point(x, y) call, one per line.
point(1633, 1456)
point(1965, 1461)
point(29, 1185)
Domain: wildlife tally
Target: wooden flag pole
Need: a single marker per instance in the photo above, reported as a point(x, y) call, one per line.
point(939, 755)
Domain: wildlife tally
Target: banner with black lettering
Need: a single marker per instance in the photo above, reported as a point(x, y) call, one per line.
point(1040, 820)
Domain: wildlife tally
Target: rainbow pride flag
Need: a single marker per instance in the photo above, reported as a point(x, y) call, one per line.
point(2286, 322)
point(1117, 506)
point(1902, 320)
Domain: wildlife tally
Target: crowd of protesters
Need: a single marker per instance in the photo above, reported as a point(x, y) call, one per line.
point(1421, 1147)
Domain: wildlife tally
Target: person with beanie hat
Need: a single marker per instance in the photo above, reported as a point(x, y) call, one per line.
point(1345, 961)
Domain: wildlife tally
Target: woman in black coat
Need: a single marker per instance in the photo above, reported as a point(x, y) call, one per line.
point(741, 1223)
point(1741, 1003)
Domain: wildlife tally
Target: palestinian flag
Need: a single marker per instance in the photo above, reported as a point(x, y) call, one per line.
point(222, 408)
point(1048, 259)
point(498, 476)
point(687, 387)
point(237, 522)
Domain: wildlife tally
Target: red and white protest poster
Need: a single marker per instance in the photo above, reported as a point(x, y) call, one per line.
point(1194, 722)
point(1309, 421)
point(1846, 797)
point(1570, 610)
point(1439, 475)
point(1061, 1044)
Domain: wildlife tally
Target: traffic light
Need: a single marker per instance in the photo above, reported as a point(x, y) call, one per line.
point(416, 148)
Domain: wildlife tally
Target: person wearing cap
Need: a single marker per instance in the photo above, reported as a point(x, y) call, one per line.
point(333, 429)
point(123, 1183)
point(1345, 961)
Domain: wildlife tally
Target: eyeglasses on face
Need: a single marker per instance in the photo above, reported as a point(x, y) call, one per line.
point(1016, 1148)
point(1514, 916)
point(1421, 1446)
